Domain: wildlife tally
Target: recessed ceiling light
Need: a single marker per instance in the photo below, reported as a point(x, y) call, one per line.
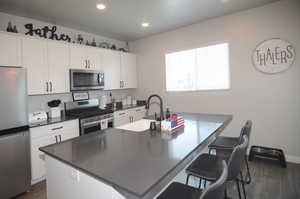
point(145, 24)
point(101, 6)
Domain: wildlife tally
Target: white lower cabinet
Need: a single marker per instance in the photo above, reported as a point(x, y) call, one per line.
point(121, 118)
point(129, 115)
point(138, 113)
point(46, 135)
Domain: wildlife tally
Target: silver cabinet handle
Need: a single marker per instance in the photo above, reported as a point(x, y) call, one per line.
point(50, 86)
point(56, 139)
point(57, 128)
point(47, 86)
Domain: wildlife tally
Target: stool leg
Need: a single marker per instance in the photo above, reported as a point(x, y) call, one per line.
point(204, 183)
point(209, 151)
point(243, 185)
point(187, 179)
point(238, 188)
point(248, 178)
point(200, 183)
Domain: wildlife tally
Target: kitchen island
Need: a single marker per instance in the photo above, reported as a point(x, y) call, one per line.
point(119, 164)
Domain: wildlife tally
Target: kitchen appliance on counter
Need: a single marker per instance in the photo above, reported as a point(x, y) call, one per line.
point(55, 111)
point(38, 116)
point(86, 79)
point(91, 117)
point(14, 133)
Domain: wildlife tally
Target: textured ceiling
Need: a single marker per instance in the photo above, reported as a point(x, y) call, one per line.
point(122, 19)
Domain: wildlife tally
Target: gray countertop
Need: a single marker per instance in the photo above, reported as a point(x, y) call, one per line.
point(135, 162)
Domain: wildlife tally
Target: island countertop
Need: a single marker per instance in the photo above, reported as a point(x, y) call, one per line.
point(134, 163)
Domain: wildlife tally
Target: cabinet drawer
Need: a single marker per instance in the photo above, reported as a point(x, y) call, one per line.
point(140, 109)
point(120, 114)
point(51, 129)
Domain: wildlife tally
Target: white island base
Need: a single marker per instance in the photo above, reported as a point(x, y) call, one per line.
point(66, 182)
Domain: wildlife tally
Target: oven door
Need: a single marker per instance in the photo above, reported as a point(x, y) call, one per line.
point(86, 79)
point(90, 127)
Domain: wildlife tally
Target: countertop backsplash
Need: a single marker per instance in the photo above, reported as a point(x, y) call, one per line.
point(39, 102)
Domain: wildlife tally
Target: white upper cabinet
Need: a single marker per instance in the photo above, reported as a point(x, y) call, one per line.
point(77, 57)
point(111, 66)
point(58, 63)
point(35, 60)
point(47, 66)
point(10, 48)
point(82, 57)
point(48, 63)
point(128, 71)
point(93, 56)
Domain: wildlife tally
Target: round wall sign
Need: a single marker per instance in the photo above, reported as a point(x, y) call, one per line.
point(273, 56)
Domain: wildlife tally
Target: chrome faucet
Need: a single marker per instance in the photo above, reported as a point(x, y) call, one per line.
point(161, 105)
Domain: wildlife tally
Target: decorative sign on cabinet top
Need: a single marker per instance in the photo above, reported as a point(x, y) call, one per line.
point(273, 56)
point(46, 32)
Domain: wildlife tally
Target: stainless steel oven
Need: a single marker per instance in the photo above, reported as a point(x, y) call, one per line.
point(96, 123)
point(86, 79)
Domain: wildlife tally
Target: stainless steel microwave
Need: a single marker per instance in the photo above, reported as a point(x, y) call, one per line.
point(86, 79)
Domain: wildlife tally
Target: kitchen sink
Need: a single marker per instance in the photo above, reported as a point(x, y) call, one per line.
point(137, 126)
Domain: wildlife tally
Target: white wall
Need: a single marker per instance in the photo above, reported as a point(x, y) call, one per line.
point(271, 101)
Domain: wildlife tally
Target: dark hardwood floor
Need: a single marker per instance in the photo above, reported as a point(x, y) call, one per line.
point(269, 181)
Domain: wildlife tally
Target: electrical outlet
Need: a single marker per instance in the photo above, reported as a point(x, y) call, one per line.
point(75, 175)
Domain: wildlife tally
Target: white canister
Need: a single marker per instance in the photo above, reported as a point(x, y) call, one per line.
point(55, 112)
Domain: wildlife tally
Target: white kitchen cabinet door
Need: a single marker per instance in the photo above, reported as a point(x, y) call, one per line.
point(78, 58)
point(58, 63)
point(121, 117)
point(35, 60)
point(38, 157)
point(111, 66)
point(71, 130)
point(93, 56)
point(128, 70)
point(10, 48)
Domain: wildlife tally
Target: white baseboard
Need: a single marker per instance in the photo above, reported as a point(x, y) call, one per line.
point(293, 159)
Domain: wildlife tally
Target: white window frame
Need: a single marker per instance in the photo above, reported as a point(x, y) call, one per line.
point(202, 90)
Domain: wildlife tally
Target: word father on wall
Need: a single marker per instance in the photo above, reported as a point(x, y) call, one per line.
point(273, 56)
point(46, 32)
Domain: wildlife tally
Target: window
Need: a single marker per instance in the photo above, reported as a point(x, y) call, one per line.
point(204, 68)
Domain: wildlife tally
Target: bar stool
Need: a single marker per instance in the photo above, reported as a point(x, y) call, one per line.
point(226, 145)
point(181, 191)
point(206, 166)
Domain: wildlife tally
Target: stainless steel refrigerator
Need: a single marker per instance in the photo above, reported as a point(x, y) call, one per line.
point(14, 135)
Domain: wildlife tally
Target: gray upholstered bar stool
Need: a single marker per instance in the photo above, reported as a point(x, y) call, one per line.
point(181, 191)
point(206, 166)
point(223, 144)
